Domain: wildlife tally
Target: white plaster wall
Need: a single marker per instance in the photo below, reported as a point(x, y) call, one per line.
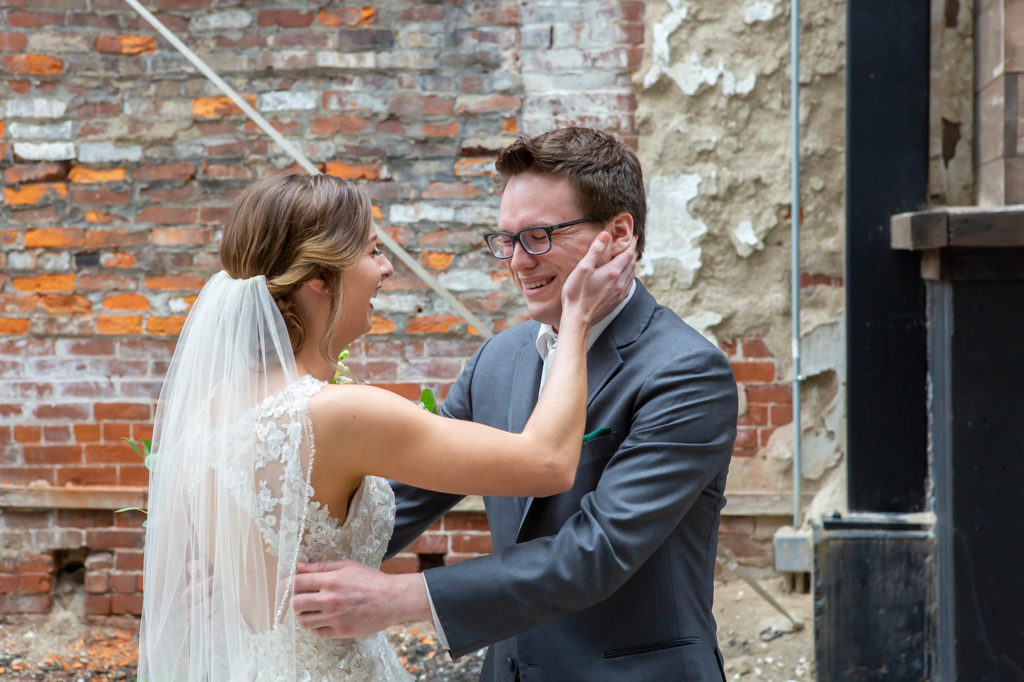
point(713, 118)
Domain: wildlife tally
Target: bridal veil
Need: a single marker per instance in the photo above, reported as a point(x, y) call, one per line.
point(225, 521)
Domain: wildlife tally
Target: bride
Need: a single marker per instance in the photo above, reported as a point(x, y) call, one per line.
point(260, 462)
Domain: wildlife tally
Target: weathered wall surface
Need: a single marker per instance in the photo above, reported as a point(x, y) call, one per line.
point(713, 119)
point(119, 164)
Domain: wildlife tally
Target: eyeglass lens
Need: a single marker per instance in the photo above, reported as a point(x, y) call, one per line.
point(535, 242)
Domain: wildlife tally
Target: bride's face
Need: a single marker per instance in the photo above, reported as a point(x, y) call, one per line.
point(359, 284)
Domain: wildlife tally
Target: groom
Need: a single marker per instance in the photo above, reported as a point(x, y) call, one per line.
point(612, 580)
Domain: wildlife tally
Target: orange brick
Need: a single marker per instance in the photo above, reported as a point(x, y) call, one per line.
point(119, 324)
point(96, 217)
point(431, 324)
point(359, 171)
point(381, 325)
point(378, 214)
point(27, 434)
point(45, 283)
point(510, 125)
point(54, 237)
point(475, 165)
point(34, 64)
point(13, 325)
point(754, 371)
point(58, 303)
point(125, 44)
point(30, 194)
point(85, 433)
point(211, 107)
point(346, 16)
point(18, 303)
point(436, 260)
point(126, 302)
point(341, 125)
point(165, 326)
point(83, 174)
point(182, 281)
point(451, 190)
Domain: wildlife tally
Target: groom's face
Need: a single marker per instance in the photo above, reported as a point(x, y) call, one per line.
point(534, 200)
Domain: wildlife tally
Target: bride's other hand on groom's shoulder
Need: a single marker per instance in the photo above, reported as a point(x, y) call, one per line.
point(345, 599)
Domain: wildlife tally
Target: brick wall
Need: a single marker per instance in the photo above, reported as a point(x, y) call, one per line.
point(119, 163)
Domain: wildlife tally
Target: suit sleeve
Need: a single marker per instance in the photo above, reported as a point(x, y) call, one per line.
point(682, 428)
point(416, 508)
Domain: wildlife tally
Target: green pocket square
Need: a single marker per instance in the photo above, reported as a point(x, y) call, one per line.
point(596, 433)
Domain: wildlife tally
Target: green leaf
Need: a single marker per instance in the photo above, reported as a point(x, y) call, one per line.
point(128, 509)
point(134, 447)
point(428, 401)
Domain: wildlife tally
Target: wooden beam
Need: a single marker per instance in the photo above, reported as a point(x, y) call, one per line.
point(958, 227)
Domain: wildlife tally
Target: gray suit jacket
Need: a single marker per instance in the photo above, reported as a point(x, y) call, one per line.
point(612, 580)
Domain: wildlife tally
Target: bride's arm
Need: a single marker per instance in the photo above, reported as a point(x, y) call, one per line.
point(373, 431)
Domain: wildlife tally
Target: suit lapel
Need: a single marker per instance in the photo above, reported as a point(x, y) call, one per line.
point(603, 360)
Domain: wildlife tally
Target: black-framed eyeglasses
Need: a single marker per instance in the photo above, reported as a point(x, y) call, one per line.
point(534, 240)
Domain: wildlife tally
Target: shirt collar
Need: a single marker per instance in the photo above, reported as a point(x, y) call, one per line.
point(547, 337)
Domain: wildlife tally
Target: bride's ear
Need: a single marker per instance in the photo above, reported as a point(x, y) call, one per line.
point(316, 285)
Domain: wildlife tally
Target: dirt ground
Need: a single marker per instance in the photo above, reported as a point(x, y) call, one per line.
point(758, 642)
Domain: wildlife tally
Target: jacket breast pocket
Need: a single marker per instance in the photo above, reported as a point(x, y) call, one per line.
point(601, 447)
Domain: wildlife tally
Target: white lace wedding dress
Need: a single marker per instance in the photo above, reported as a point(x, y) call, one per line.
point(363, 537)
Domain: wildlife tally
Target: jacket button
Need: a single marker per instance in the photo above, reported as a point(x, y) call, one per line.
point(511, 664)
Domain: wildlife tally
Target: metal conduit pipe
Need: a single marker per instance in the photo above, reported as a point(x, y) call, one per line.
point(794, 222)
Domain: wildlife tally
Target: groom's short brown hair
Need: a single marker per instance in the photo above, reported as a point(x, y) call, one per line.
point(604, 172)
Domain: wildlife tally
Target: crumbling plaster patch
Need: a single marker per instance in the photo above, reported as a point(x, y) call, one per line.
point(725, 255)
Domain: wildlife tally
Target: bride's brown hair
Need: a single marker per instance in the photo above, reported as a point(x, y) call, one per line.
point(294, 228)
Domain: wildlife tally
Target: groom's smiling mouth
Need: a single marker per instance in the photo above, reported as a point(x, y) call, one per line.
point(536, 284)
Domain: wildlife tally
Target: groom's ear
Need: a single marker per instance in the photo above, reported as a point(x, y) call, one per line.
point(621, 229)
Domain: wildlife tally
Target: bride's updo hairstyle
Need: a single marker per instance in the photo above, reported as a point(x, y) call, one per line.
point(294, 228)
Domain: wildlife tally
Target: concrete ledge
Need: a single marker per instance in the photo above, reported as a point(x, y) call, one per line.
point(68, 497)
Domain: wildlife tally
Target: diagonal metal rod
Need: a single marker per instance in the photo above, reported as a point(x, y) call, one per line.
point(478, 326)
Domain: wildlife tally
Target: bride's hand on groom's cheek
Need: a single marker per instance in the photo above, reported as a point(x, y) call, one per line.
point(343, 599)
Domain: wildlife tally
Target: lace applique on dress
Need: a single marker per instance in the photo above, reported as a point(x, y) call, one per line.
point(363, 537)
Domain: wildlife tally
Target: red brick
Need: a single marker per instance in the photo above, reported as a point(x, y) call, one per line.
point(125, 583)
point(22, 475)
point(781, 414)
point(86, 433)
point(440, 130)
point(125, 44)
point(128, 560)
point(115, 538)
point(97, 239)
point(104, 282)
point(34, 64)
point(753, 371)
point(162, 215)
point(176, 282)
point(9, 583)
point(35, 583)
point(775, 393)
point(36, 172)
point(20, 19)
point(286, 18)
point(341, 125)
point(52, 454)
point(429, 543)
point(96, 583)
point(134, 475)
point(182, 237)
point(756, 348)
point(122, 411)
point(117, 259)
point(407, 104)
point(37, 604)
point(62, 411)
point(97, 604)
point(13, 42)
point(27, 434)
point(98, 110)
point(93, 194)
point(756, 415)
point(228, 171)
point(401, 563)
point(746, 438)
point(491, 104)
point(126, 603)
point(57, 303)
point(471, 542)
point(408, 391)
point(451, 190)
point(165, 171)
point(169, 195)
point(109, 453)
point(56, 433)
